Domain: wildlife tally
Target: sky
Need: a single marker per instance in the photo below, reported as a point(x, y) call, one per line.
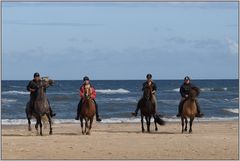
point(119, 40)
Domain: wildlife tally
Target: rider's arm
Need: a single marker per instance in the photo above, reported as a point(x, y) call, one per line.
point(30, 87)
point(154, 88)
point(81, 92)
point(93, 95)
point(143, 86)
point(182, 91)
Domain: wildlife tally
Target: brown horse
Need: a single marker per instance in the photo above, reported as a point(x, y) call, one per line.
point(147, 108)
point(41, 107)
point(87, 112)
point(189, 108)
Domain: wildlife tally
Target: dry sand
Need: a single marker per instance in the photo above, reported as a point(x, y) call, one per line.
point(209, 140)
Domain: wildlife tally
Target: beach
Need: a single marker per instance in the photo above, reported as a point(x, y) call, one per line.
point(209, 140)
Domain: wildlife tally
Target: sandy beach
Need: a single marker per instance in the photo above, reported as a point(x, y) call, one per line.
point(209, 140)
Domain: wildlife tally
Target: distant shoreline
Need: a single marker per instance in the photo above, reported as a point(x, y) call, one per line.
point(202, 79)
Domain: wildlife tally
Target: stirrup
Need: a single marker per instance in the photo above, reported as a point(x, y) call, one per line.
point(134, 114)
point(98, 119)
point(178, 115)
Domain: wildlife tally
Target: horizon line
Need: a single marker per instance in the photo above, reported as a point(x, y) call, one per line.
point(122, 79)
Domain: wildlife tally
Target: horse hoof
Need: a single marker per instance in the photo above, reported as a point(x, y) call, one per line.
point(156, 129)
point(88, 133)
point(190, 131)
point(143, 130)
point(185, 129)
point(50, 133)
point(29, 129)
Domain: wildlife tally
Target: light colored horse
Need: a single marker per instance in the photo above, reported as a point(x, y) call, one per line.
point(189, 109)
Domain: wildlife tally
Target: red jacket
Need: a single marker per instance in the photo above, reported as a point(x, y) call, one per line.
point(82, 91)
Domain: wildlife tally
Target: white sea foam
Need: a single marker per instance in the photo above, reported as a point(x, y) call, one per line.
point(113, 120)
point(5, 100)
point(14, 92)
point(213, 89)
point(176, 90)
point(232, 110)
point(113, 91)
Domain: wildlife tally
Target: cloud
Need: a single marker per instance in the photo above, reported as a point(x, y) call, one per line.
point(203, 43)
point(232, 46)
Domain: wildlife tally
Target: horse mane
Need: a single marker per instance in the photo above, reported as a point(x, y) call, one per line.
point(196, 89)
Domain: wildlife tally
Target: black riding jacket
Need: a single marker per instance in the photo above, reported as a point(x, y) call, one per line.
point(185, 89)
point(33, 84)
point(145, 84)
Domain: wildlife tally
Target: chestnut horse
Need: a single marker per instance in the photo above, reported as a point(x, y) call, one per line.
point(87, 112)
point(189, 108)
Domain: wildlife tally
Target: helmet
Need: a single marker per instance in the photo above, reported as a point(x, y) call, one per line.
point(149, 76)
point(186, 78)
point(36, 75)
point(85, 78)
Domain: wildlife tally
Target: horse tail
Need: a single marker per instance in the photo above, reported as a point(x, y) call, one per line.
point(159, 120)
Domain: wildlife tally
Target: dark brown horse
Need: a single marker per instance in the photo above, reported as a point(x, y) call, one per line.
point(87, 112)
point(189, 109)
point(41, 107)
point(147, 108)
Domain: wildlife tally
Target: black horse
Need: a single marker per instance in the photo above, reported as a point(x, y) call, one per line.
point(147, 108)
point(41, 107)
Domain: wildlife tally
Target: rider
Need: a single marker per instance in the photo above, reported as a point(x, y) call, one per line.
point(149, 82)
point(86, 84)
point(184, 91)
point(33, 86)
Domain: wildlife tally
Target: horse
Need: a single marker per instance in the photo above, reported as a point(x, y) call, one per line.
point(41, 108)
point(147, 108)
point(189, 109)
point(87, 112)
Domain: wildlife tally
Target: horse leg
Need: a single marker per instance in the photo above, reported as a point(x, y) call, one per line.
point(90, 126)
point(156, 129)
point(40, 123)
point(86, 125)
point(81, 121)
point(182, 119)
point(147, 122)
point(29, 124)
point(142, 123)
point(191, 121)
point(50, 124)
point(186, 122)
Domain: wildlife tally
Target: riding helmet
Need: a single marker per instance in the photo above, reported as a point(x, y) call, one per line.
point(36, 75)
point(85, 78)
point(186, 78)
point(149, 76)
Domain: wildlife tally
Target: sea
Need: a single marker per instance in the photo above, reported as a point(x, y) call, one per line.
point(219, 100)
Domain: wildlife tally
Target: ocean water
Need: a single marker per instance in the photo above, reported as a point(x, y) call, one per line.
point(219, 99)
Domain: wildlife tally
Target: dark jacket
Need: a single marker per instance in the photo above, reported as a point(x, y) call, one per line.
point(154, 87)
point(185, 89)
point(33, 85)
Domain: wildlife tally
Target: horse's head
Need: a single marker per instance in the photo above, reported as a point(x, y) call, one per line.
point(88, 92)
point(43, 84)
point(147, 93)
point(47, 82)
point(194, 92)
